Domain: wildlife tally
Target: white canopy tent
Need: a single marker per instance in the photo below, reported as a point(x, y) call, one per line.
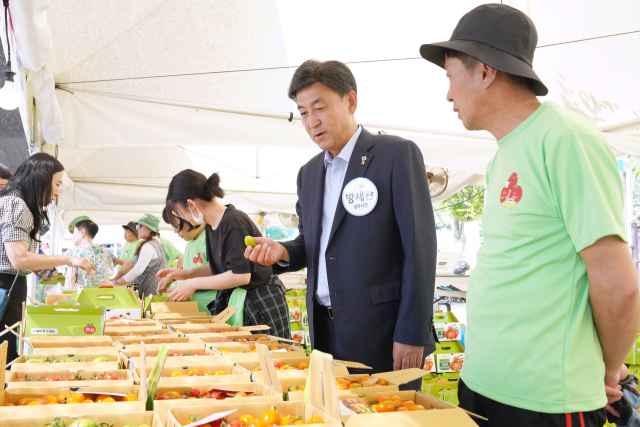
point(151, 87)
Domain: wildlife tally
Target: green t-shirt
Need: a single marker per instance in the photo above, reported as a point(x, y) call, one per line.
point(195, 253)
point(553, 189)
point(128, 251)
point(170, 251)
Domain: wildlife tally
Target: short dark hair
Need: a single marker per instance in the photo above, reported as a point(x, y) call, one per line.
point(89, 226)
point(470, 62)
point(333, 74)
point(5, 173)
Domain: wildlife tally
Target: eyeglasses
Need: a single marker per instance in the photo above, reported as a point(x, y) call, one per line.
point(178, 228)
point(138, 227)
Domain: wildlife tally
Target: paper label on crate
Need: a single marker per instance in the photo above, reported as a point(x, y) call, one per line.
point(230, 392)
point(211, 418)
point(449, 362)
point(294, 314)
point(307, 339)
point(280, 350)
point(448, 331)
point(41, 331)
point(297, 336)
point(429, 363)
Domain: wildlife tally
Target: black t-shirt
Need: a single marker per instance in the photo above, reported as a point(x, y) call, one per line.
point(225, 248)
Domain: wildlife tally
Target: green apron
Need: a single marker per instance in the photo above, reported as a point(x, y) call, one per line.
point(236, 300)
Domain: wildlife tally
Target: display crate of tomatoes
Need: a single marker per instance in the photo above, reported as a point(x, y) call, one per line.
point(121, 342)
point(132, 419)
point(186, 321)
point(203, 328)
point(257, 414)
point(176, 359)
point(96, 351)
point(39, 343)
point(210, 395)
point(345, 386)
point(400, 408)
point(293, 364)
point(59, 400)
point(131, 333)
point(116, 331)
point(179, 349)
point(128, 323)
point(446, 325)
point(64, 378)
point(70, 362)
point(184, 375)
point(236, 337)
point(233, 353)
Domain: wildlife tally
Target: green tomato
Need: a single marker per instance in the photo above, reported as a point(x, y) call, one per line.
point(250, 241)
point(130, 425)
point(83, 422)
point(143, 425)
point(101, 359)
point(33, 361)
point(67, 360)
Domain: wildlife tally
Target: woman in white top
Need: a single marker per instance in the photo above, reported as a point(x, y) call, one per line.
point(149, 257)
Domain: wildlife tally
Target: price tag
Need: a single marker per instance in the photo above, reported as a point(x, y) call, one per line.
point(360, 196)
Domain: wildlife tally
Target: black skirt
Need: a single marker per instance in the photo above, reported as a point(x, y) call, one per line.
point(13, 313)
point(264, 305)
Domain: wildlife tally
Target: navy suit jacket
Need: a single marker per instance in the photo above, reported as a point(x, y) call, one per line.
point(380, 267)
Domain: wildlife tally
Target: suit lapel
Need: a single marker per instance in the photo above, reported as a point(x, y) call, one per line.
point(356, 169)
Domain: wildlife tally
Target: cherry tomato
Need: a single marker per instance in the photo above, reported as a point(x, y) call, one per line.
point(130, 398)
point(102, 398)
point(194, 372)
point(302, 366)
point(315, 420)
point(386, 406)
point(63, 397)
point(76, 398)
point(269, 417)
point(249, 421)
point(240, 394)
point(417, 408)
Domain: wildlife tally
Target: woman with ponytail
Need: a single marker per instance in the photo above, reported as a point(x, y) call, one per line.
point(149, 257)
point(251, 287)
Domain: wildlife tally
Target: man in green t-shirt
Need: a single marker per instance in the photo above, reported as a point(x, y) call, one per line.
point(553, 305)
point(128, 250)
point(171, 252)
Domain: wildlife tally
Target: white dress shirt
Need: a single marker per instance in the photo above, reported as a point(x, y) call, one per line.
point(336, 169)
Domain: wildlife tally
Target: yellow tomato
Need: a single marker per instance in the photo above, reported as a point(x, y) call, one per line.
point(221, 373)
point(315, 420)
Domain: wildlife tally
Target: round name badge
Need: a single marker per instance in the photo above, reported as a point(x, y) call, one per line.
point(360, 196)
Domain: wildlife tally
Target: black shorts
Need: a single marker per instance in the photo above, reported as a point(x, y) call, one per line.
point(501, 415)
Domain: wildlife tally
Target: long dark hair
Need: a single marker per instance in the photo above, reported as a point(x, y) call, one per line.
point(33, 181)
point(151, 235)
point(191, 185)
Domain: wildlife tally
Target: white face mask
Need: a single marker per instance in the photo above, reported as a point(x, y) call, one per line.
point(200, 219)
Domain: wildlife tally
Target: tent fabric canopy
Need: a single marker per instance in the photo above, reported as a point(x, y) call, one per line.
point(155, 88)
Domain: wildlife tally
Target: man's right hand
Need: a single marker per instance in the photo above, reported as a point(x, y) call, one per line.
point(266, 252)
point(173, 273)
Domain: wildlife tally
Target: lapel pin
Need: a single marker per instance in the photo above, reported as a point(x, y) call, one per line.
point(364, 159)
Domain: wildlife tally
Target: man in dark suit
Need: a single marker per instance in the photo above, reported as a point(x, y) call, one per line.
point(371, 264)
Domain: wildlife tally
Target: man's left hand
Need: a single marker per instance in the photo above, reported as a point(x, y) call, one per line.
point(182, 290)
point(407, 356)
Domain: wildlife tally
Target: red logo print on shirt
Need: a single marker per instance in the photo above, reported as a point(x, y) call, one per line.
point(511, 194)
point(198, 259)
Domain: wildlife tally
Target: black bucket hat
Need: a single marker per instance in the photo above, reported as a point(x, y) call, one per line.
point(131, 227)
point(498, 35)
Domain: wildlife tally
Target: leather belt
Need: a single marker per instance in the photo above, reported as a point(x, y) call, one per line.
point(330, 312)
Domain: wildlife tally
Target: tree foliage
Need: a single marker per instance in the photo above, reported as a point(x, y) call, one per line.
point(467, 204)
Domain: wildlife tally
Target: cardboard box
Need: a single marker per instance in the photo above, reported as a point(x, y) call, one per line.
point(190, 307)
point(323, 401)
point(184, 348)
point(242, 352)
point(66, 318)
point(201, 328)
point(177, 361)
point(96, 351)
point(235, 375)
point(130, 322)
point(118, 302)
point(447, 326)
point(80, 362)
point(38, 379)
point(430, 363)
point(258, 376)
point(42, 342)
point(444, 415)
point(161, 317)
point(449, 356)
point(115, 420)
point(162, 407)
point(447, 392)
point(137, 331)
point(160, 339)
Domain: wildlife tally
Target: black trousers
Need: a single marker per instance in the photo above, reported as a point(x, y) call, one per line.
point(501, 415)
point(13, 313)
point(326, 340)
